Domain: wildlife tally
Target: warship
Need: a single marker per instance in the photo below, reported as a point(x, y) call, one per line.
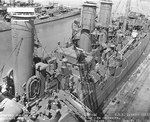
point(63, 15)
point(72, 83)
point(42, 15)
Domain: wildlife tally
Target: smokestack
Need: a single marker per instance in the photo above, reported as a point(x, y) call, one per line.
point(87, 24)
point(105, 13)
point(22, 26)
point(88, 16)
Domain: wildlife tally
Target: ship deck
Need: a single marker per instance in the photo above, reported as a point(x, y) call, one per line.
point(132, 102)
point(43, 111)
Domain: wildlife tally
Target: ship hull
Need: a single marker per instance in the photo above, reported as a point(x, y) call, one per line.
point(99, 97)
point(98, 94)
point(63, 16)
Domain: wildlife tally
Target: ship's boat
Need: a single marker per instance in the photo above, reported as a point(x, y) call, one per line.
point(80, 74)
point(44, 17)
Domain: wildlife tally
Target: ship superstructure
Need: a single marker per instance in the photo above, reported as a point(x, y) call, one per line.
point(73, 83)
point(101, 57)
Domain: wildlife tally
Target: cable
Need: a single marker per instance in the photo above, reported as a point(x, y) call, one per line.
point(29, 30)
point(19, 46)
point(2, 69)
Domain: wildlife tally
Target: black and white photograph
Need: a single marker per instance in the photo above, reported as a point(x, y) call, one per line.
point(74, 60)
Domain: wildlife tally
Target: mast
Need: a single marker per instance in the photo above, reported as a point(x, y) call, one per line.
point(126, 14)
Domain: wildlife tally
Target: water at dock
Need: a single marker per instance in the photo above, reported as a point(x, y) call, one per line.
point(49, 34)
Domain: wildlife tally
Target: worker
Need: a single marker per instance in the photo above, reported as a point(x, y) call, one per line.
point(18, 97)
point(58, 105)
point(49, 115)
point(50, 92)
point(49, 104)
point(64, 61)
point(81, 57)
point(24, 99)
point(96, 66)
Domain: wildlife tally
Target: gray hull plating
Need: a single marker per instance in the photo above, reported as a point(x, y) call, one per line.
point(97, 97)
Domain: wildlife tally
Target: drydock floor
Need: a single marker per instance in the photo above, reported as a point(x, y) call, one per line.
point(132, 102)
